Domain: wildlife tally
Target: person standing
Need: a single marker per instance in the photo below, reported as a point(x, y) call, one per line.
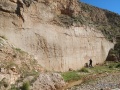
point(90, 63)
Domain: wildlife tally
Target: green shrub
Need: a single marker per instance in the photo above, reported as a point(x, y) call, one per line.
point(18, 49)
point(84, 70)
point(118, 65)
point(110, 66)
point(26, 86)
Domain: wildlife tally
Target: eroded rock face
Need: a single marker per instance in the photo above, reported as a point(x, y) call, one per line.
point(57, 48)
point(13, 63)
point(7, 6)
point(53, 81)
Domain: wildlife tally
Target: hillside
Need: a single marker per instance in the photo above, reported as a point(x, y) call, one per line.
point(14, 64)
point(60, 34)
point(39, 37)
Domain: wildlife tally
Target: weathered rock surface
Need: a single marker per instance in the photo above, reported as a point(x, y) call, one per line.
point(32, 28)
point(53, 81)
point(14, 63)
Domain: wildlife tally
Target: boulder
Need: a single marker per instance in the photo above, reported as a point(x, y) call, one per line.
point(49, 81)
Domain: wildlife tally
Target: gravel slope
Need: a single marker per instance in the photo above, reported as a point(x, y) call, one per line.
point(105, 82)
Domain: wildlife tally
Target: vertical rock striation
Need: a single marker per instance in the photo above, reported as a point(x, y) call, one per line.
point(37, 28)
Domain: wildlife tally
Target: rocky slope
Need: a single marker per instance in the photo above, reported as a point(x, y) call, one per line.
point(14, 64)
point(48, 81)
point(60, 34)
point(18, 68)
point(105, 82)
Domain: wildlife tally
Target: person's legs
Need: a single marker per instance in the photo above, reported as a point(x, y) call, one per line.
point(90, 65)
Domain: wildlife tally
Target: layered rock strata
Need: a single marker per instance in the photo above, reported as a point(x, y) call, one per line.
point(35, 28)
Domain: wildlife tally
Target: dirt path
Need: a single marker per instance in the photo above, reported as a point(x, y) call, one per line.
point(71, 84)
point(105, 81)
point(74, 83)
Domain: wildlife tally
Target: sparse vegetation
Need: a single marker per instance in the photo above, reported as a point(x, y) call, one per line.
point(26, 86)
point(18, 50)
point(108, 67)
point(30, 73)
point(4, 82)
point(107, 22)
point(10, 64)
point(19, 62)
point(84, 70)
point(13, 87)
point(70, 76)
point(118, 65)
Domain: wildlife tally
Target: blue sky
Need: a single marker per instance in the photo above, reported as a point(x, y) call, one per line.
point(111, 5)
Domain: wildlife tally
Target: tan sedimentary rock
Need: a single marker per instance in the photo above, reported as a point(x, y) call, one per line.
point(48, 81)
point(55, 47)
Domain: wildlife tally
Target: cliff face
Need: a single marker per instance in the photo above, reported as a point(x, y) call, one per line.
point(59, 33)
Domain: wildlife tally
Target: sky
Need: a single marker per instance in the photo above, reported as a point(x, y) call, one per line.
point(111, 5)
